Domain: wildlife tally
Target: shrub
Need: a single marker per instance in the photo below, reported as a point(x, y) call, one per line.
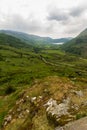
point(10, 89)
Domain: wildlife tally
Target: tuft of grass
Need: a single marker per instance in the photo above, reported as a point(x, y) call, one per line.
point(80, 115)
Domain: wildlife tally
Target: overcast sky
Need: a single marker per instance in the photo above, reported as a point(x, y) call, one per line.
point(54, 18)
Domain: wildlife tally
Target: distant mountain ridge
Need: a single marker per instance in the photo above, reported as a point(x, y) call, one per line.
point(77, 45)
point(34, 39)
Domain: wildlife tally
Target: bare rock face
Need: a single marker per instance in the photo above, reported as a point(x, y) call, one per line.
point(57, 111)
point(80, 124)
point(7, 120)
point(78, 93)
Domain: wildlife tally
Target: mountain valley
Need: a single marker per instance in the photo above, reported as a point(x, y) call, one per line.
point(42, 86)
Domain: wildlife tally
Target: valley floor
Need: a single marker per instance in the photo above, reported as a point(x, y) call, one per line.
point(41, 91)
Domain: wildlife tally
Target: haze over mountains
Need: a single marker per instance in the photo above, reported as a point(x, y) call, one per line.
point(28, 38)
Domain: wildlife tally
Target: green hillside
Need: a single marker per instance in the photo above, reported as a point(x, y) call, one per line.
point(77, 45)
point(12, 41)
point(83, 34)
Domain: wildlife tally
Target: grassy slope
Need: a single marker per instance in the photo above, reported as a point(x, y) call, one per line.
point(20, 67)
point(50, 87)
point(12, 41)
point(77, 45)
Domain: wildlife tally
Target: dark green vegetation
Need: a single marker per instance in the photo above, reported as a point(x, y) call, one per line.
point(11, 41)
point(77, 45)
point(22, 64)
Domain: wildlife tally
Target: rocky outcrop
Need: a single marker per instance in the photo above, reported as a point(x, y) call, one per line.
point(59, 113)
point(22, 109)
point(57, 109)
point(7, 119)
point(80, 124)
point(48, 105)
point(78, 93)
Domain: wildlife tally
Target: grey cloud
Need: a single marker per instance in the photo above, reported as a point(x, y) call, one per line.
point(58, 15)
point(70, 21)
point(59, 22)
point(74, 28)
point(17, 22)
point(77, 11)
point(64, 15)
point(29, 25)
